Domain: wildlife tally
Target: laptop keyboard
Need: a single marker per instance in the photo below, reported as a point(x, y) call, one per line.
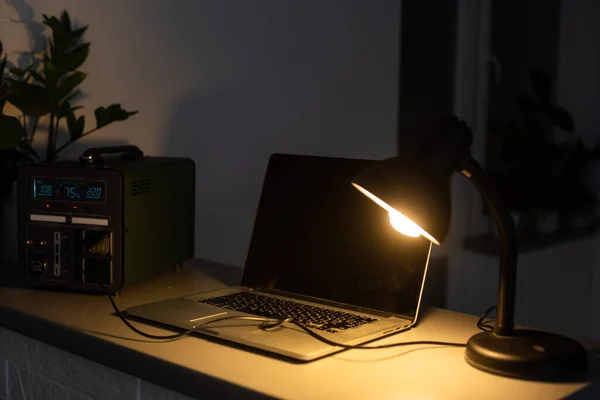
point(310, 316)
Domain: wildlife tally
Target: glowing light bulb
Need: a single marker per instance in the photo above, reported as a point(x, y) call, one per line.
point(404, 225)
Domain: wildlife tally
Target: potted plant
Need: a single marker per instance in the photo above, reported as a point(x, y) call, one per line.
point(46, 91)
point(577, 198)
point(11, 157)
point(526, 161)
point(11, 133)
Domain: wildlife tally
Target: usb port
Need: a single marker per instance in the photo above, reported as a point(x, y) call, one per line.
point(56, 248)
point(56, 259)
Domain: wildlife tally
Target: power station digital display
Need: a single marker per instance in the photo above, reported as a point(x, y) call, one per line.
point(58, 189)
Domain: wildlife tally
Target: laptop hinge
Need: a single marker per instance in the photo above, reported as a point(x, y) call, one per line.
point(379, 313)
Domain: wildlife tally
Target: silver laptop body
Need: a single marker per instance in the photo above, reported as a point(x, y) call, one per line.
point(287, 262)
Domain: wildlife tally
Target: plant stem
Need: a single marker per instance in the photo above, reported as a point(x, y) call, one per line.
point(33, 129)
point(61, 148)
point(56, 132)
point(50, 151)
point(30, 153)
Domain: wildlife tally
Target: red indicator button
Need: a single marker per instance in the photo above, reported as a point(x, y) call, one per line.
point(74, 207)
point(47, 205)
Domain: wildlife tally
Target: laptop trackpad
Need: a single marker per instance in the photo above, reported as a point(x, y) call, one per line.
point(181, 312)
point(199, 313)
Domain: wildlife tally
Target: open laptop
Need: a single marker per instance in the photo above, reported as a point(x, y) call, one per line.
point(320, 252)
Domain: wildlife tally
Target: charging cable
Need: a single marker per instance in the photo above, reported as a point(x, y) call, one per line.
point(272, 324)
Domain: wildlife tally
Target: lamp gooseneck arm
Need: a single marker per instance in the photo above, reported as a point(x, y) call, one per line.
point(507, 281)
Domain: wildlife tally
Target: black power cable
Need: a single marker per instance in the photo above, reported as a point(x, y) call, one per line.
point(486, 325)
point(270, 324)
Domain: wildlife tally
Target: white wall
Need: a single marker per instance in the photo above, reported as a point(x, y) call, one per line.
point(555, 289)
point(229, 82)
point(578, 86)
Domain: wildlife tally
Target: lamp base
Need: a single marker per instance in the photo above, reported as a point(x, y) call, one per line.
point(528, 354)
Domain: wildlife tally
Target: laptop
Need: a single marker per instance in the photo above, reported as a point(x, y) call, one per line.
point(320, 252)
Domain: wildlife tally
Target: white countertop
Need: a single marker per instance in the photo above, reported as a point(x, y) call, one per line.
point(415, 372)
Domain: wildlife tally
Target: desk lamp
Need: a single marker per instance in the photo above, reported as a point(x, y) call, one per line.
point(414, 188)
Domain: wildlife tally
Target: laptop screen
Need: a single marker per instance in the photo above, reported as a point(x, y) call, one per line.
point(316, 235)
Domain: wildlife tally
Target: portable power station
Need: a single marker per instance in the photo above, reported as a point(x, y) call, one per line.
point(114, 217)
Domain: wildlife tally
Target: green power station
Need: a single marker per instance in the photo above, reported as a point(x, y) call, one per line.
point(112, 218)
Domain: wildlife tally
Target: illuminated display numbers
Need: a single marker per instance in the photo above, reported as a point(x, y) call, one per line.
point(93, 193)
point(72, 192)
point(67, 190)
point(45, 189)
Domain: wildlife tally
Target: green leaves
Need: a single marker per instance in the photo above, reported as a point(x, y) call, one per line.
point(17, 72)
point(51, 77)
point(105, 116)
point(2, 82)
point(75, 57)
point(11, 132)
point(51, 86)
point(559, 117)
point(68, 84)
point(533, 108)
point(66, 50)
point(21, 75)
point(30, 99)
point(38, 77)
point(65, 22)
point(75, 125)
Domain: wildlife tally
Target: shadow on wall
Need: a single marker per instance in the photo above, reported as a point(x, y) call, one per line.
point(35, 31)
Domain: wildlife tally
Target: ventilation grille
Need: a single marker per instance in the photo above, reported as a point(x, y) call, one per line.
point(140, 186)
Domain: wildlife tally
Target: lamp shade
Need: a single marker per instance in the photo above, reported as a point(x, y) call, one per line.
point(416, 183)
point(414, 190)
